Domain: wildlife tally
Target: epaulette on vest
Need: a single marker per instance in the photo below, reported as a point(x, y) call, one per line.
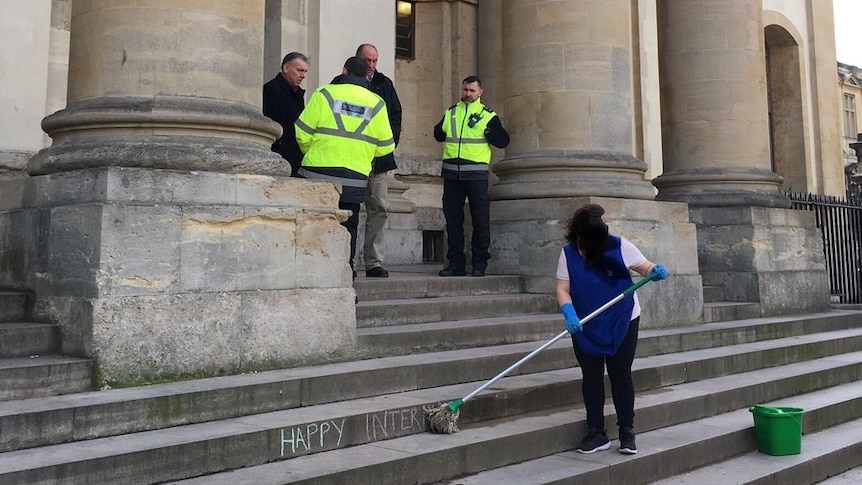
point(452, 107)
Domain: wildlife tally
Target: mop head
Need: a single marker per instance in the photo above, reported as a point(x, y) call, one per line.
point(443, 419)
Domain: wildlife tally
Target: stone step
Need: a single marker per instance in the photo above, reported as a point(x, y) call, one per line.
point(120, 411)
point(448, 335)
point(712, 294)
point(43, 375)
point(437, 336)
point(540, 444)
point(824, 453)
point(850, 477)
point(409, 285)
point(13, 306)
point(27, 339)
point(729, 310)
point(447, 308)
point(209, 447)
point(831, 443)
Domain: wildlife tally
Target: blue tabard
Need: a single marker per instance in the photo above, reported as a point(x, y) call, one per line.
point(593, 285)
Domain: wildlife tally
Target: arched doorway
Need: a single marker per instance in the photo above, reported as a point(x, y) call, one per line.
point(786, 119)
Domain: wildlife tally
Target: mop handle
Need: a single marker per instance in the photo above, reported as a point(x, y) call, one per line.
point(562, 334)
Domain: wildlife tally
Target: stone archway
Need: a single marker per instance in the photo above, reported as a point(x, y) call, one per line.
point(786, 114)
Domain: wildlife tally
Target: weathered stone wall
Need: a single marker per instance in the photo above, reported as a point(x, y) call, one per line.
point(768, 255)
point(162, 274)
point(529, 234)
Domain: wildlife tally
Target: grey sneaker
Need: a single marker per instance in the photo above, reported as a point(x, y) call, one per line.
point(595, 440)
point(627, 441)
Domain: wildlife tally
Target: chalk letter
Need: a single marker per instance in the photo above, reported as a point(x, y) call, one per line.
point(324, 428)
point(291, 441)
point(417, 423)
point(300, 439)
point(310, 430)
point(405, 419)
point(382, 425)
point(340, 430)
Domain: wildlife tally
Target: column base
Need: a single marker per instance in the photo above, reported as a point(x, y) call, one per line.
point(161, 132)
point(571, 173)
point(160, 274)
point(722, 188)
point(771, 256)
point(528, 235)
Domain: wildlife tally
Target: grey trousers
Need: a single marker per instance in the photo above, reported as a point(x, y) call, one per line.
point(377, 215)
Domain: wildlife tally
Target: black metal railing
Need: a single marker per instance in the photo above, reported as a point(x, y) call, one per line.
point(840, 224)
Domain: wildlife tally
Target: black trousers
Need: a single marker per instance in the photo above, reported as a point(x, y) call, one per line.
point(619, 373)
point(454, 194)
point(352, 225)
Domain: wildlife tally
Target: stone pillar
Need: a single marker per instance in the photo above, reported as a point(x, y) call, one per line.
point(714, 113)
point(569, 110)
point(158, 230)
point(24, 53)
point(170, 87)
point(568, 102)
point(717, 159)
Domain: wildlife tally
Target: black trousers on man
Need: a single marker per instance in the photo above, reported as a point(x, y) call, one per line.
point(619, 373)
point(454, 194)
point(352, 225)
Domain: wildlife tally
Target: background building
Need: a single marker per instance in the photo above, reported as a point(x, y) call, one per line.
point(686, 119)
point(850, 81)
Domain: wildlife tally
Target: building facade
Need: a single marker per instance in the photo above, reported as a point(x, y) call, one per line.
point(686, 119)
point(850, 81)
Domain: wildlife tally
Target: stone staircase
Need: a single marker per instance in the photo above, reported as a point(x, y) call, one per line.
point(30, 364)
point(428, 340)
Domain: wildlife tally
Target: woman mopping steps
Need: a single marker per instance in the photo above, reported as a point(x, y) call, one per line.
point(592, 266)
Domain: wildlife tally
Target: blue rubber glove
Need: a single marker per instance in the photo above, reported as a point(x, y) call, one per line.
point(573, 323)
point(658, 272)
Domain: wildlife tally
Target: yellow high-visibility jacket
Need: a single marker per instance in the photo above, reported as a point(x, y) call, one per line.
point(340, 131)
point(465, 133)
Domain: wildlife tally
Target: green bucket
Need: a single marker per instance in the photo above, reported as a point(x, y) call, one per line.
point(778, 429)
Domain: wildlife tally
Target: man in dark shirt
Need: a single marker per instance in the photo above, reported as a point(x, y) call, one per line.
point(377, 202)
point(283, 101)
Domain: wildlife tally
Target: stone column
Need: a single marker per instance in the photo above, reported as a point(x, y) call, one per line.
point(159, 231)
point(169, 87)
point(714, 112)
point(568, 105)
point(569, 110)
point(716, 155)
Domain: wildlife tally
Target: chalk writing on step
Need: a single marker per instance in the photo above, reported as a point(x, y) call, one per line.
point(312, 437)
point(393, 422)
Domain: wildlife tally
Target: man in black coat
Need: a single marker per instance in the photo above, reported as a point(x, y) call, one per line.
point(377, 201)
point(283, 101)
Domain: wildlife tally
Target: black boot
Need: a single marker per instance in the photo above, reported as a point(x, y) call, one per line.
point(453, 271)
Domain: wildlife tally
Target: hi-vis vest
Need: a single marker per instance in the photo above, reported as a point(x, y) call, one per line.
point(343, 127)
point(467, 142)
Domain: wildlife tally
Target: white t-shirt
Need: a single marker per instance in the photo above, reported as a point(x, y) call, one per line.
point(632, 256)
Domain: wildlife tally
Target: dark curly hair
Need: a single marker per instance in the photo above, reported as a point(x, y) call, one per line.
point(588, 232)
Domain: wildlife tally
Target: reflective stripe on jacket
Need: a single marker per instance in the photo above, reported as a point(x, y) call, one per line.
point(464, 141)
point(343, 126)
